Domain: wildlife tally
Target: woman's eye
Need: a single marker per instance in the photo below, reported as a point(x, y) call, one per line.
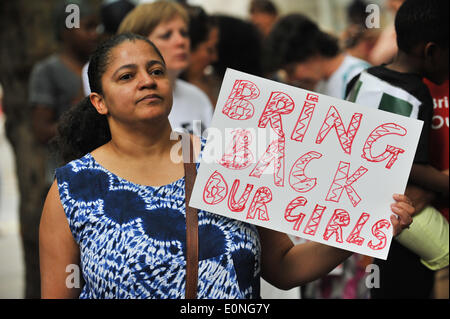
point(184, 33)
point(157, 72)
point(166, 35)
point(126, 76)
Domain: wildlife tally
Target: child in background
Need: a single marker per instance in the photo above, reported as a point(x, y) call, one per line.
point(439, 153)
point(422, 38)
point(439, 135)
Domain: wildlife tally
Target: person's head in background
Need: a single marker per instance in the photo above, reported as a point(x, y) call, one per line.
point(78, 42)
point(422, 29)
point(239, 48)
point(306, 54)
point(204, 35)
point(263, 14)
point(166, 24)
point(112, 12)
point(357, 39)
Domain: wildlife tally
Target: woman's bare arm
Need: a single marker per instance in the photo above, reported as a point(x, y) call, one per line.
point(57, 250)
point(286, 265)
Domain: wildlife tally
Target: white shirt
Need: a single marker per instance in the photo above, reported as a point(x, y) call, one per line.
point(190, 104)
point(336, 84)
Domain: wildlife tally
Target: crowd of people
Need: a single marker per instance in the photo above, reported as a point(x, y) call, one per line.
point(109, 152)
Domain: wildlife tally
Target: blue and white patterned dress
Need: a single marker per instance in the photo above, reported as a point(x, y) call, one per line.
point(132, 239)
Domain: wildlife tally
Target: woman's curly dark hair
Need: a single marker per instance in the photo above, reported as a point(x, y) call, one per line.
point(81, 129)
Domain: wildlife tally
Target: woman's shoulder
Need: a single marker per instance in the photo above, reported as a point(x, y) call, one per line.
point(65, 171)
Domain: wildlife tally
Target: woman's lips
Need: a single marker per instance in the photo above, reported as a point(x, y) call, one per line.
point(150, 98)
point(181, 56)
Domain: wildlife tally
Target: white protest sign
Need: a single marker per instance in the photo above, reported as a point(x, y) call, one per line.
point(305, 164)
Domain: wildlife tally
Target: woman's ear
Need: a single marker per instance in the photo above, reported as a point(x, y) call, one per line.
point(99, 103)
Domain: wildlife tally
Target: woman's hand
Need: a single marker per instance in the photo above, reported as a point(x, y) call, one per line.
point(404, 210)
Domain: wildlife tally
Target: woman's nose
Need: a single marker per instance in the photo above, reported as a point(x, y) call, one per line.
point(146, 80)
point(181, 39)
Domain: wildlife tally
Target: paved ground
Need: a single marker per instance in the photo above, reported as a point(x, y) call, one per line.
point(11, 264)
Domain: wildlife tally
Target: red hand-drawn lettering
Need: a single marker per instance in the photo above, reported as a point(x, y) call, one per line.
point(391, 152)
point(239, 205)
point(314, 220)
point(274, 152)
point(333, 120)
point(312, 97)
point(341, 181)
point(215, 190)
point(238, 106)
point(339, 219)
point(301, 127)
point(297, 219)
point(238, 155)
point(258, 206)
point(376, 231)
point(354, 237)
point(297, 178)
point(279, 104)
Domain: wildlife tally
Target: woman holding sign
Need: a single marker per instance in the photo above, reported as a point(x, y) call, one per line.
point(117, 209)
